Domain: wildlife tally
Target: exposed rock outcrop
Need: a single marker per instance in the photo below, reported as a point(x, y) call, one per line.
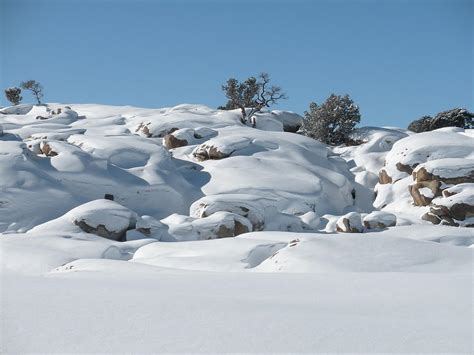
point(350, 223)
point(379, 220)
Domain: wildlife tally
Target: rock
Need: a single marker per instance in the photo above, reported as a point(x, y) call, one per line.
point(206, 152)
point(431, 176)
point(109, 197)
point(218, 225)
point(187, 136)
point(41, 118)
point(144, 129)
point(223, 147)
point(104, 218)
point(204, 133)
point(430, 217)
point(379, 220)
point(455, 207)
point(350, 223)
point(424, 192)
point(46, 149)
point(405, 168)
point(170, 142)
point(450, 171)
point(384, 178)
point(147, 227)
point(247, 206)
point(101, 231)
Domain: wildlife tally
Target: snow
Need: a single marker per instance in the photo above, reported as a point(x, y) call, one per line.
point(186, 276)
point(449, 168)
point(350, 222)
point(428, 146)
point(376, 219)
point(461, 193)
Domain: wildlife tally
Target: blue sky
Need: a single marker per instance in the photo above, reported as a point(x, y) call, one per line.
point(398, 60)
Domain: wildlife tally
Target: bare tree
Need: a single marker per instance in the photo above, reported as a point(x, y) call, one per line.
point(13, 95)
point(251, 94)
point(35, 87)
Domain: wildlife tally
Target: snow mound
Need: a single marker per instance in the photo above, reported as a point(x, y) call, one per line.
point(350, 223)
point(291, 122)
point(104, 218)
point(379, 220)
point(218, 225)
point(455, 207)
point(21, 109)
point(366, 253)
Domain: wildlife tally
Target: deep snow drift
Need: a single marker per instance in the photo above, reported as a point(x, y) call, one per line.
point(180, 229)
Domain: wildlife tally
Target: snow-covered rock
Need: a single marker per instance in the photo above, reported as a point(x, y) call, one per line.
point(455, 207)
point(218, 225)
point(104, 218)
point(21, 109)
point(187, 136)
point(291, 121)
point(379, 220)
point(421, 166)
point(350, 223)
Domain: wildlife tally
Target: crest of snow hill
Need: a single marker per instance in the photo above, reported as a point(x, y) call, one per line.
point(194, 173)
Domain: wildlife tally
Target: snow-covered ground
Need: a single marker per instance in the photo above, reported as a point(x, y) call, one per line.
point(225, 238)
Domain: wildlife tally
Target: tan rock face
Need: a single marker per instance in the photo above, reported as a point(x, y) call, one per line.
point(425, 179)
point(47, 150)
point(379, 220)
point(350, 223)
point(423, 175)
point(171, 142)
point(459, 211)
point(347, 228)
point(240, 228)
point(144, 128)
point(384, 178)
point(421, 200)
point(405, 168)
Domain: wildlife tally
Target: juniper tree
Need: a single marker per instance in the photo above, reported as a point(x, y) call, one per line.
point(457, 117)
point(35, 87)
point(333, 121)
point(13, 95)
point(254, 94)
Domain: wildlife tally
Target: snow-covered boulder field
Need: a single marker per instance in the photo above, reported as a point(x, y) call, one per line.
point(126, 229)
point(422, 168)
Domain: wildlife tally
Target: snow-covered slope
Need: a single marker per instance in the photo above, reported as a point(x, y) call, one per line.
point(125, 229)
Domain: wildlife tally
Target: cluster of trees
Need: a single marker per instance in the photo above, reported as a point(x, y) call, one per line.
point(332, 122)
point(457, 117)
point(13, 94)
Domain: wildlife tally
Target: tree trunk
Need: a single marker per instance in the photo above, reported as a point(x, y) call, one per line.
point(243, 119)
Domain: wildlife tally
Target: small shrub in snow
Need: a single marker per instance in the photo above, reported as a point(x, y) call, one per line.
point(35, 87)
point(333, 121)
point(457, 117)
point(13, 95)
point(253, 93)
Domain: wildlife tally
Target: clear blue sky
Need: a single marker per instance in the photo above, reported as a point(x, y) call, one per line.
point(397, 59)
